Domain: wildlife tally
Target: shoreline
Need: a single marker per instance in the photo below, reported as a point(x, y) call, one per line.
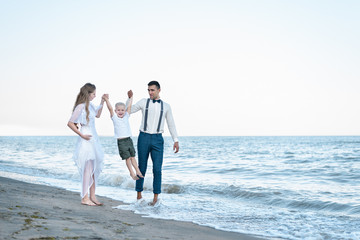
point(34, 211)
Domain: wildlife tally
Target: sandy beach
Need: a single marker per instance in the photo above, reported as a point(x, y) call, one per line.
point(32, 211)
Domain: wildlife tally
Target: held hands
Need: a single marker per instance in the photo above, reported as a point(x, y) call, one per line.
point(105, 97)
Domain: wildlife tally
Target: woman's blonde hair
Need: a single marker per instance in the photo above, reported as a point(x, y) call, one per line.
point(83, 97)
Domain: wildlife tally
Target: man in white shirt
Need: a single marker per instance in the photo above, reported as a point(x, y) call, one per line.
point(150, 141)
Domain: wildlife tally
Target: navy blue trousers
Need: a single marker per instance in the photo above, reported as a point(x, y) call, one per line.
point(150, 144)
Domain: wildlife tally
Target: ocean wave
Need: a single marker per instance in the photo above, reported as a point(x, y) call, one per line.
point(38, 172)
point(355, 210)
point(346, 158)
point(289, 153)
point(319, 205)
point(229, 170)
point(279, 198)
point(115, 180)
point(126, 182)
point(172, 188)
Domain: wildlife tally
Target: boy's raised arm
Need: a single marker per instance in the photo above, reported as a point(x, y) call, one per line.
point(108, 104)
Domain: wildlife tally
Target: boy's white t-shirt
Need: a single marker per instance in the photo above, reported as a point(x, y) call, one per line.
point(121, 126)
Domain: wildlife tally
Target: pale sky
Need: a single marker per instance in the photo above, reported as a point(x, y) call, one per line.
point(228, 68)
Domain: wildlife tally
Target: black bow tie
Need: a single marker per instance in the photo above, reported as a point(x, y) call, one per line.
point(154, 101)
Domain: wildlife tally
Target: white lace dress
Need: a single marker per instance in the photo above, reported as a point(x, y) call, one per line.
point(88, 155)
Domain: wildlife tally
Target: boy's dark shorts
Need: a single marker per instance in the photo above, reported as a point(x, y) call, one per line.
point(126, 148)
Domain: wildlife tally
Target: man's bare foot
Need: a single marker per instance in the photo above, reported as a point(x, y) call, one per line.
point(139, 196)
point(134, 176)
point(154, 203)
point(155, 200)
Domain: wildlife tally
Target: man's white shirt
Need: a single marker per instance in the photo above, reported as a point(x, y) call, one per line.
point(154, 116)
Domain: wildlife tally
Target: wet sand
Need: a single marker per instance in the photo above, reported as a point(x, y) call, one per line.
point(33, 211)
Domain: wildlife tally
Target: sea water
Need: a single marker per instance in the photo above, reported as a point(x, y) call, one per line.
point(272, 187)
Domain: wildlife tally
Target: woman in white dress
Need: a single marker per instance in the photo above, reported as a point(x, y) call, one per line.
point(88, 155)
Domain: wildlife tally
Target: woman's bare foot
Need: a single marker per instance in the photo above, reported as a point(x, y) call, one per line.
point(134, 176)
point(87, 201)
point(95, 201)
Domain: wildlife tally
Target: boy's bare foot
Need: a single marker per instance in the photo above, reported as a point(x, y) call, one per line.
point(134, 176)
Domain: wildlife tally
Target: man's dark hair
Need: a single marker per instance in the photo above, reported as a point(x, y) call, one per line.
point(156, 83)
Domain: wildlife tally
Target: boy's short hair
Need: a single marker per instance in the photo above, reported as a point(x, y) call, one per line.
point(156, 83)
point(119, 104)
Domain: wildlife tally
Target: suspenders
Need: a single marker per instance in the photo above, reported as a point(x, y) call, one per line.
point(161, 113)
point(146, 115)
